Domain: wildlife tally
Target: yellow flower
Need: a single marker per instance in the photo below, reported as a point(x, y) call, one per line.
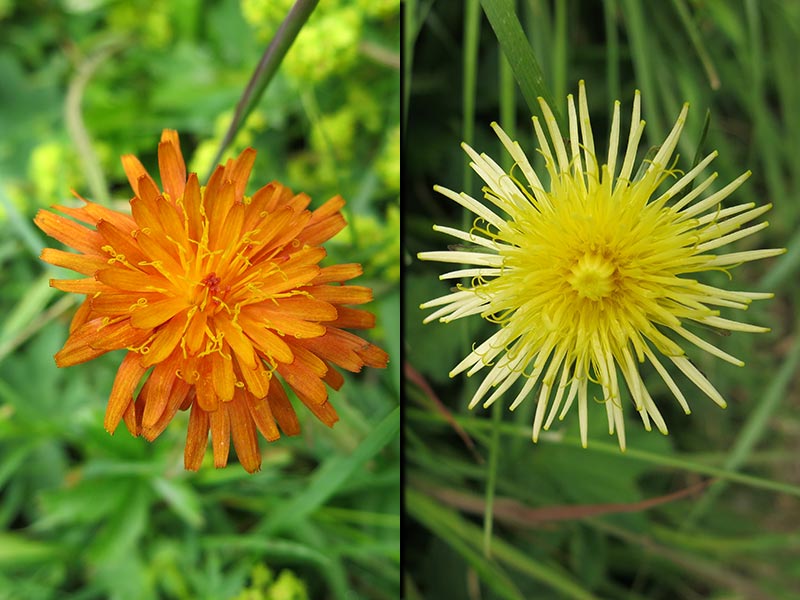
point(595, 272)
point(212, 292)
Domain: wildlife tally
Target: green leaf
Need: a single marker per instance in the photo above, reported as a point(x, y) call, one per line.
point(520, 56)
point(181, 498)
point(17, 550)
point(331, 476)
point(125, 525)
point(466, 538)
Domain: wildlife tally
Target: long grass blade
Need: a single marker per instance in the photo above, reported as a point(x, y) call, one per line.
point(266, 69)
point(505, 23)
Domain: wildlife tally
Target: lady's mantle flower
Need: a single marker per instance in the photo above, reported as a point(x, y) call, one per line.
point(593, 274)
point(212, 292)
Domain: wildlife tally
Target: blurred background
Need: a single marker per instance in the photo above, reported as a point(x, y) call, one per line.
point(591, 523)
point(85, 515)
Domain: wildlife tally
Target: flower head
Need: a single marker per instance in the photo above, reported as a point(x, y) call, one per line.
point(594, 273)
point(212, 293)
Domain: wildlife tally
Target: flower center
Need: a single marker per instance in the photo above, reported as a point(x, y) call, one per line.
point(213, 292)
point(211, 281)
point(592, 277)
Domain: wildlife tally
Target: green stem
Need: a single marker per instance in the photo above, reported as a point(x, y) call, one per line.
point(266, 69)
point(77, 128)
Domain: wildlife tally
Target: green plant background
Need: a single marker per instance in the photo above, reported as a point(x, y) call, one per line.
point(87, 515)
point(570, 522)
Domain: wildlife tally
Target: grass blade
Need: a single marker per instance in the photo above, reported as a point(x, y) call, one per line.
point(518, 51)
point(331, 476)
point(475, 427)
point(751, 433)
point(266, 69)
point(464, 536)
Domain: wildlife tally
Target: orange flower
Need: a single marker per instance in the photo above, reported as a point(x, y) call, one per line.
point(212, 292)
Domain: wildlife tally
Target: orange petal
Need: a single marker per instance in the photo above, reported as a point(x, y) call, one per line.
point(337, 349)
point(192, 201)
point(135, 171)
point(220, 436)
point(166, 340)
point(258, 206)
point(213, 186)
point(131, 419)
point(84, 343)
point(120, 303)
point(170, 135)
point(189, 399)
point(121, 221)
point(282, 282)
point(159, 250)
point(119, 335)
point(341, 294)
point(276, 195)
point(262, 416)
point(237, 340)
point(172, 168)
point(353, 318)
point(256, 379)
point(324, 412)
point(305, 308)
point(204, 387)
point(282, 237)
point(230, 235)
point(268, 225)
point(240, 172)
point(69, 232)
point(302, 258)
point(121, 241)
point(267, 316)
point(222, 375)
point(374, 357)
point(329, 208)
point(177, 395)
point(299, 202)
point(154, 314)
point(170, 218)
point(303, 381)
point(326, 221)
point(196, 332)
point(338, 273)
point(310, 360)
point(244, 435)
point(221, 204)
point(159, 385)
point(333, 378)
point(145, 214)
point(282, 409)
point(82, 315)
point(78, 286)
point(85, 264)
point(128, 376)
point(123, 278)
point(196, 439)
point(268, 344)
point(322, 231)
point(77, 212)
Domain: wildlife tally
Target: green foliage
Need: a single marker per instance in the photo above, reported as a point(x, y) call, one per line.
point(87, 515)
point(736, 540)
point(265, 586)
